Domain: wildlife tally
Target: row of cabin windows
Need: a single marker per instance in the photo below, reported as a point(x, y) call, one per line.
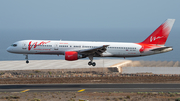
point(77, 46)
point(123, 47)
point(96, 46)
point(63, 45)
point(89, 46)
point(42, 45)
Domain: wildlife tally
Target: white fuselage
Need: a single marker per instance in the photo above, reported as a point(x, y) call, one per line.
point(115, 49)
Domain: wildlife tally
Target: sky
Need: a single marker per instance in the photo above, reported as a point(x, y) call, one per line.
point(86, 14)
point(85, 20)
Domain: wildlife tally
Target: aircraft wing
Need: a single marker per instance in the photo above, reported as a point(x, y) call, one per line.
point(160, 49)
point(97, 51)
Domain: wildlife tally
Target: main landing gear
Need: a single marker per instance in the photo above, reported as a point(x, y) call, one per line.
point(91, 62)
point(27, 61)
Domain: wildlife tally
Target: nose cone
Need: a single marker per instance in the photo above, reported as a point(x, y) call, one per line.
point(9, 49)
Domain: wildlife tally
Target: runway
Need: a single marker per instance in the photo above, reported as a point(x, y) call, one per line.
point(59, 64)
point(91, 88)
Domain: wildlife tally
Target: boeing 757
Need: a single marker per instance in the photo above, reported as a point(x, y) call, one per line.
point(74, 50)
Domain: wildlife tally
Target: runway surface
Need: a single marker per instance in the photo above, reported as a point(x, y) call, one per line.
point(91, 88)
point(57, 64)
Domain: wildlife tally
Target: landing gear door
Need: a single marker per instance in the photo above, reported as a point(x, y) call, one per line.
point(24, 46)
point(56, 46)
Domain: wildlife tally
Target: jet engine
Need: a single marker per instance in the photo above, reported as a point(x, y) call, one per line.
point(72, 55)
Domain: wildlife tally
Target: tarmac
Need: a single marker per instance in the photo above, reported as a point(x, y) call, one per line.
point(60, 64)
point(102, 65)
point(153, 70)
point(91, 87)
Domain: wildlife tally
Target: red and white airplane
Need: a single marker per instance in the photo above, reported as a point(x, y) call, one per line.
point(74, 50)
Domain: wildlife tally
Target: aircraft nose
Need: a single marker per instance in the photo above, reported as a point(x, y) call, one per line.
point(9, 49)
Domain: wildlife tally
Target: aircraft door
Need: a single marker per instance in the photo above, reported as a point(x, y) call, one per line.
point(56, 46)
point(24, 46)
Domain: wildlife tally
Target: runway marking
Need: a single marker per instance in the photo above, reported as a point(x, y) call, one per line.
point(25, 90)
point(81, 90)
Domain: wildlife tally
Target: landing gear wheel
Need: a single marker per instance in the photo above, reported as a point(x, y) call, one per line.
point(89, 63)
point(93, 64)
point(27, 61)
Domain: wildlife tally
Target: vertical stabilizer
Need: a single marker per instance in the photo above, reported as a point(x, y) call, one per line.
point(160, 35)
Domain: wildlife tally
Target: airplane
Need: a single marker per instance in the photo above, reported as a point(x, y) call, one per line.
point(74, 50)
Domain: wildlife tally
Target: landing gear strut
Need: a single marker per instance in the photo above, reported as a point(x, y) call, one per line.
point(91, 61)
point(27, 61)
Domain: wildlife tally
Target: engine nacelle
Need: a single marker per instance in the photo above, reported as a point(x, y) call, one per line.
point(72, 55)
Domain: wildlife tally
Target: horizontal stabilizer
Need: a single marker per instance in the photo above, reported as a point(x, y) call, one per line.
point(160, 49)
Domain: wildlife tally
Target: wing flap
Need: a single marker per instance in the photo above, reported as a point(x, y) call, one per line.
point(95, 51)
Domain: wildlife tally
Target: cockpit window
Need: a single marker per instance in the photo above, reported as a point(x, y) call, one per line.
point(14, 45)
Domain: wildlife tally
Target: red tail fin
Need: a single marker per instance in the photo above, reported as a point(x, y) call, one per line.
point(160, 35)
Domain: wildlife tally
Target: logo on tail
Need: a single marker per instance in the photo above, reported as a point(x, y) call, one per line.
point(155, 38)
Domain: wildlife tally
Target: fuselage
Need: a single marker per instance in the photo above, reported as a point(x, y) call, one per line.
point(115, 49)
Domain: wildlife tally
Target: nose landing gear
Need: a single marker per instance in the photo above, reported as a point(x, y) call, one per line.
point(27, 61)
